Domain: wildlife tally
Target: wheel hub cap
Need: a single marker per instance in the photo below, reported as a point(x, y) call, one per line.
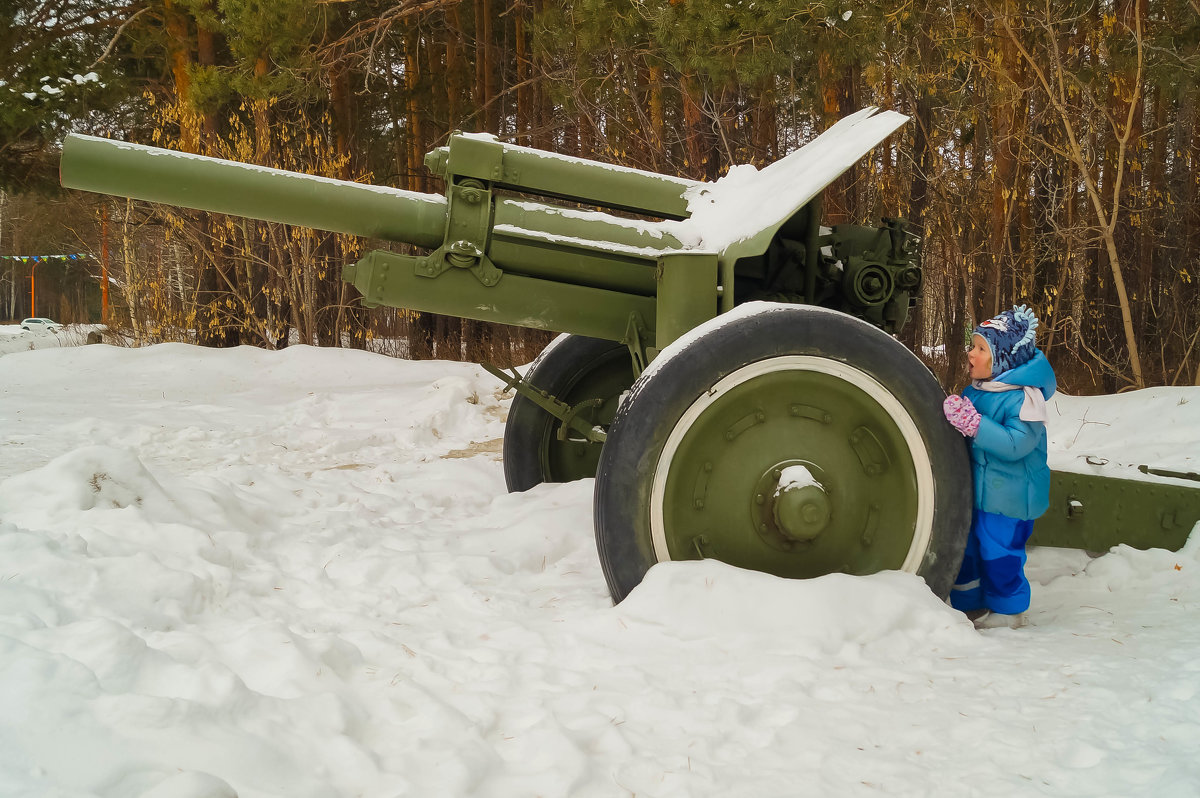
point(801, 507)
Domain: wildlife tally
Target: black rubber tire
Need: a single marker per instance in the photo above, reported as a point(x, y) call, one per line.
point(572, 368)
point(761, 332)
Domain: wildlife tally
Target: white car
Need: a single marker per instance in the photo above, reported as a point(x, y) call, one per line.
point(48, 325)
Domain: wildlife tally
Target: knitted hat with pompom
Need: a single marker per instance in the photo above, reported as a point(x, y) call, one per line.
point(1010, 337)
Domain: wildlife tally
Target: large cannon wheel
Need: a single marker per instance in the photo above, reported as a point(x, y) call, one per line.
point(787, 439)
point(589, 374)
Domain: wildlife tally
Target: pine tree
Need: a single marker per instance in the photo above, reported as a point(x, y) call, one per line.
point(57, 73)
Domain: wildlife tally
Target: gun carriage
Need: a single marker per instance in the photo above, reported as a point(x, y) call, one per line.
point(729, 372)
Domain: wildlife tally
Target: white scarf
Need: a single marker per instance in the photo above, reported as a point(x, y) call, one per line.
point(1034, 407)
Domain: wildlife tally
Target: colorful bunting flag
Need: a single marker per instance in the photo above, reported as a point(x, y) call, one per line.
point(40, 258)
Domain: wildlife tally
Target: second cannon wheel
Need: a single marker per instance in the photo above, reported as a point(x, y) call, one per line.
point(787, 439)
point(576, 369)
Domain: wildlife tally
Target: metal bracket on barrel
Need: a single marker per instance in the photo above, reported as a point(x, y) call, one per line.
point(460, 255)
point(468, 224)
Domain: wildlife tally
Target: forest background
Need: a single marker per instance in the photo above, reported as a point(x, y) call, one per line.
point(1051, 157)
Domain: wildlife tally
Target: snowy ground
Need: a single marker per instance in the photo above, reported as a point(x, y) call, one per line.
point(298, 574)
point(14, 339)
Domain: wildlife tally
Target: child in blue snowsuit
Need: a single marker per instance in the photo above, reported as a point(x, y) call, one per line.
point(1003, 415)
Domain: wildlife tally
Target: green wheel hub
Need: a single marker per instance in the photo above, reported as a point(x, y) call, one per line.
point(797, 466)
point(799, 504)
point(783, 512)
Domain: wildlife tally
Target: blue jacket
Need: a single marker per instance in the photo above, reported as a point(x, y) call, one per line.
point(1008, 455)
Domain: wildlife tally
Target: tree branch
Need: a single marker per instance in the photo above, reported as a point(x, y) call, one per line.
point(117, 35)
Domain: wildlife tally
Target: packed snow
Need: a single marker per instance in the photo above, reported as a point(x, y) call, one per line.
point(14, 339)
point(297, 573)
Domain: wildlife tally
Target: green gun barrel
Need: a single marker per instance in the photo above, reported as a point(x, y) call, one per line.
point(585, 271)
point(257, 192)
point(533, 238)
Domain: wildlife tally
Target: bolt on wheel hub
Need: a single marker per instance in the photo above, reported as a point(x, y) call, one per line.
point(791, 506)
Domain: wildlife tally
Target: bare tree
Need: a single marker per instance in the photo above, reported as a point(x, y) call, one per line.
point(1071, 101)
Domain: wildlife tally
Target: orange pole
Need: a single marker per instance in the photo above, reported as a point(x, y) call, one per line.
point(32, 290)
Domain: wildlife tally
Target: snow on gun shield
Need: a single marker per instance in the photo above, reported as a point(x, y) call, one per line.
point(728, 375)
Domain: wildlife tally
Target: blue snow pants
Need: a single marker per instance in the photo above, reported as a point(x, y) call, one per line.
point(992, 576)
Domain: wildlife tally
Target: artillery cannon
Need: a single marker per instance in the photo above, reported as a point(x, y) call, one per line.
point(729, 373)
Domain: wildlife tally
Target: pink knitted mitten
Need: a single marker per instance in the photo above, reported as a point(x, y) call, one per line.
point(961, 414)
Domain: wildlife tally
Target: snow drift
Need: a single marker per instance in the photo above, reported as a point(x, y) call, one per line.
point(297, 573)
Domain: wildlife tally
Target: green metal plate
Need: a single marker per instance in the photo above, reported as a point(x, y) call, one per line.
point(395, 280)
point(1096, 513)
point(687, 293)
